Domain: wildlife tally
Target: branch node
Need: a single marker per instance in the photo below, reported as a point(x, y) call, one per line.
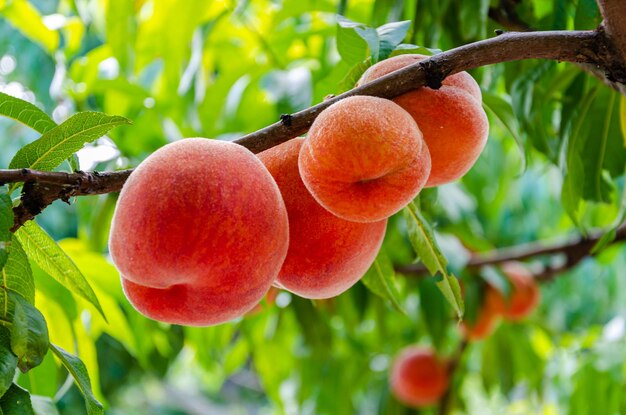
point(499, 32)
point(286, 119)
point(434, 74)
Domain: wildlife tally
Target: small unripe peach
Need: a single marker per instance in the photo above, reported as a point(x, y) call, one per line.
point(199, 233)
point(418, 377)
point(364, 159)
point(327, 254)
point(451, 118)
point(524, 297)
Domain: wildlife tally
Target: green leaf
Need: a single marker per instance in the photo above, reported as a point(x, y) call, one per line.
point(573, 182)
point(46, 253)
point(407, 48)
point(78, 371)
point(423, 240)
point(17, 275)
point(587, 15)
point(352, 77)
point(6, 222)
point(379, 279)
point(26, 113)
point(8, 361)
point(58, 144)
point(391, 35)
point(16, 401)
point(354, 39)
point(503, 112)
point(29, 334)
point(25, 17)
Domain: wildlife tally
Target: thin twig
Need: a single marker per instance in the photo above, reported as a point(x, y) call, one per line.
point(575, 250)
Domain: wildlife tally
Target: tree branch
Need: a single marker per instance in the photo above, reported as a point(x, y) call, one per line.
point(614, 13)
point(574, 249)
point(592, 47)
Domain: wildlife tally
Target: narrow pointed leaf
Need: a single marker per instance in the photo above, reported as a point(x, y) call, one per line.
point(423, 240)
point(46, 253)
point(59, 143)
point(79, 372)
point(26, 18)
point(17, 276)
point(379, 279)
point(26, 113)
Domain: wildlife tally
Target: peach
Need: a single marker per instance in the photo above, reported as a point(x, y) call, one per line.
point(418, 377)
point(364, 159)
point(451, 118)
point(327, 255)
point(524, 297)
point(485, 323)
point(199, 233)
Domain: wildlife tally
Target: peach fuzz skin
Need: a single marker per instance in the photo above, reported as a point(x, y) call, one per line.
point(451, 118)
point(524, 297)
point(418, 377)
point(327, 255)
point(199, 233)
point(364, 159)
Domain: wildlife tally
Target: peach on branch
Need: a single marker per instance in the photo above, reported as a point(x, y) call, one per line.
point(199, 233)
point(327, 254)
point(451, 118)
point(364, 159)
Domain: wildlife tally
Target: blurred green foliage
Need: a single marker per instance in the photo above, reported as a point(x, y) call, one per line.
point(553, 167)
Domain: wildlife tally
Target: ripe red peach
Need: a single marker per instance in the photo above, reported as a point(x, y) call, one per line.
point(364, 159)
point(418, 377)
point(199, 233)
point(451, 118)
point(327, 255)
point(524, 297)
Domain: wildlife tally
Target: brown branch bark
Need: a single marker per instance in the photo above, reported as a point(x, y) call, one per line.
point(592, 47)
point(614, 14)
point(575, 250)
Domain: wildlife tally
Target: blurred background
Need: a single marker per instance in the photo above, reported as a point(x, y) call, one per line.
point(221, 69)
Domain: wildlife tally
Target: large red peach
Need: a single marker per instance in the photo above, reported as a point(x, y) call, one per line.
point(451, 118)
point(199, 233)
point(327, 255)
point(418, 377)
point(364, 159)
point(524, 297)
